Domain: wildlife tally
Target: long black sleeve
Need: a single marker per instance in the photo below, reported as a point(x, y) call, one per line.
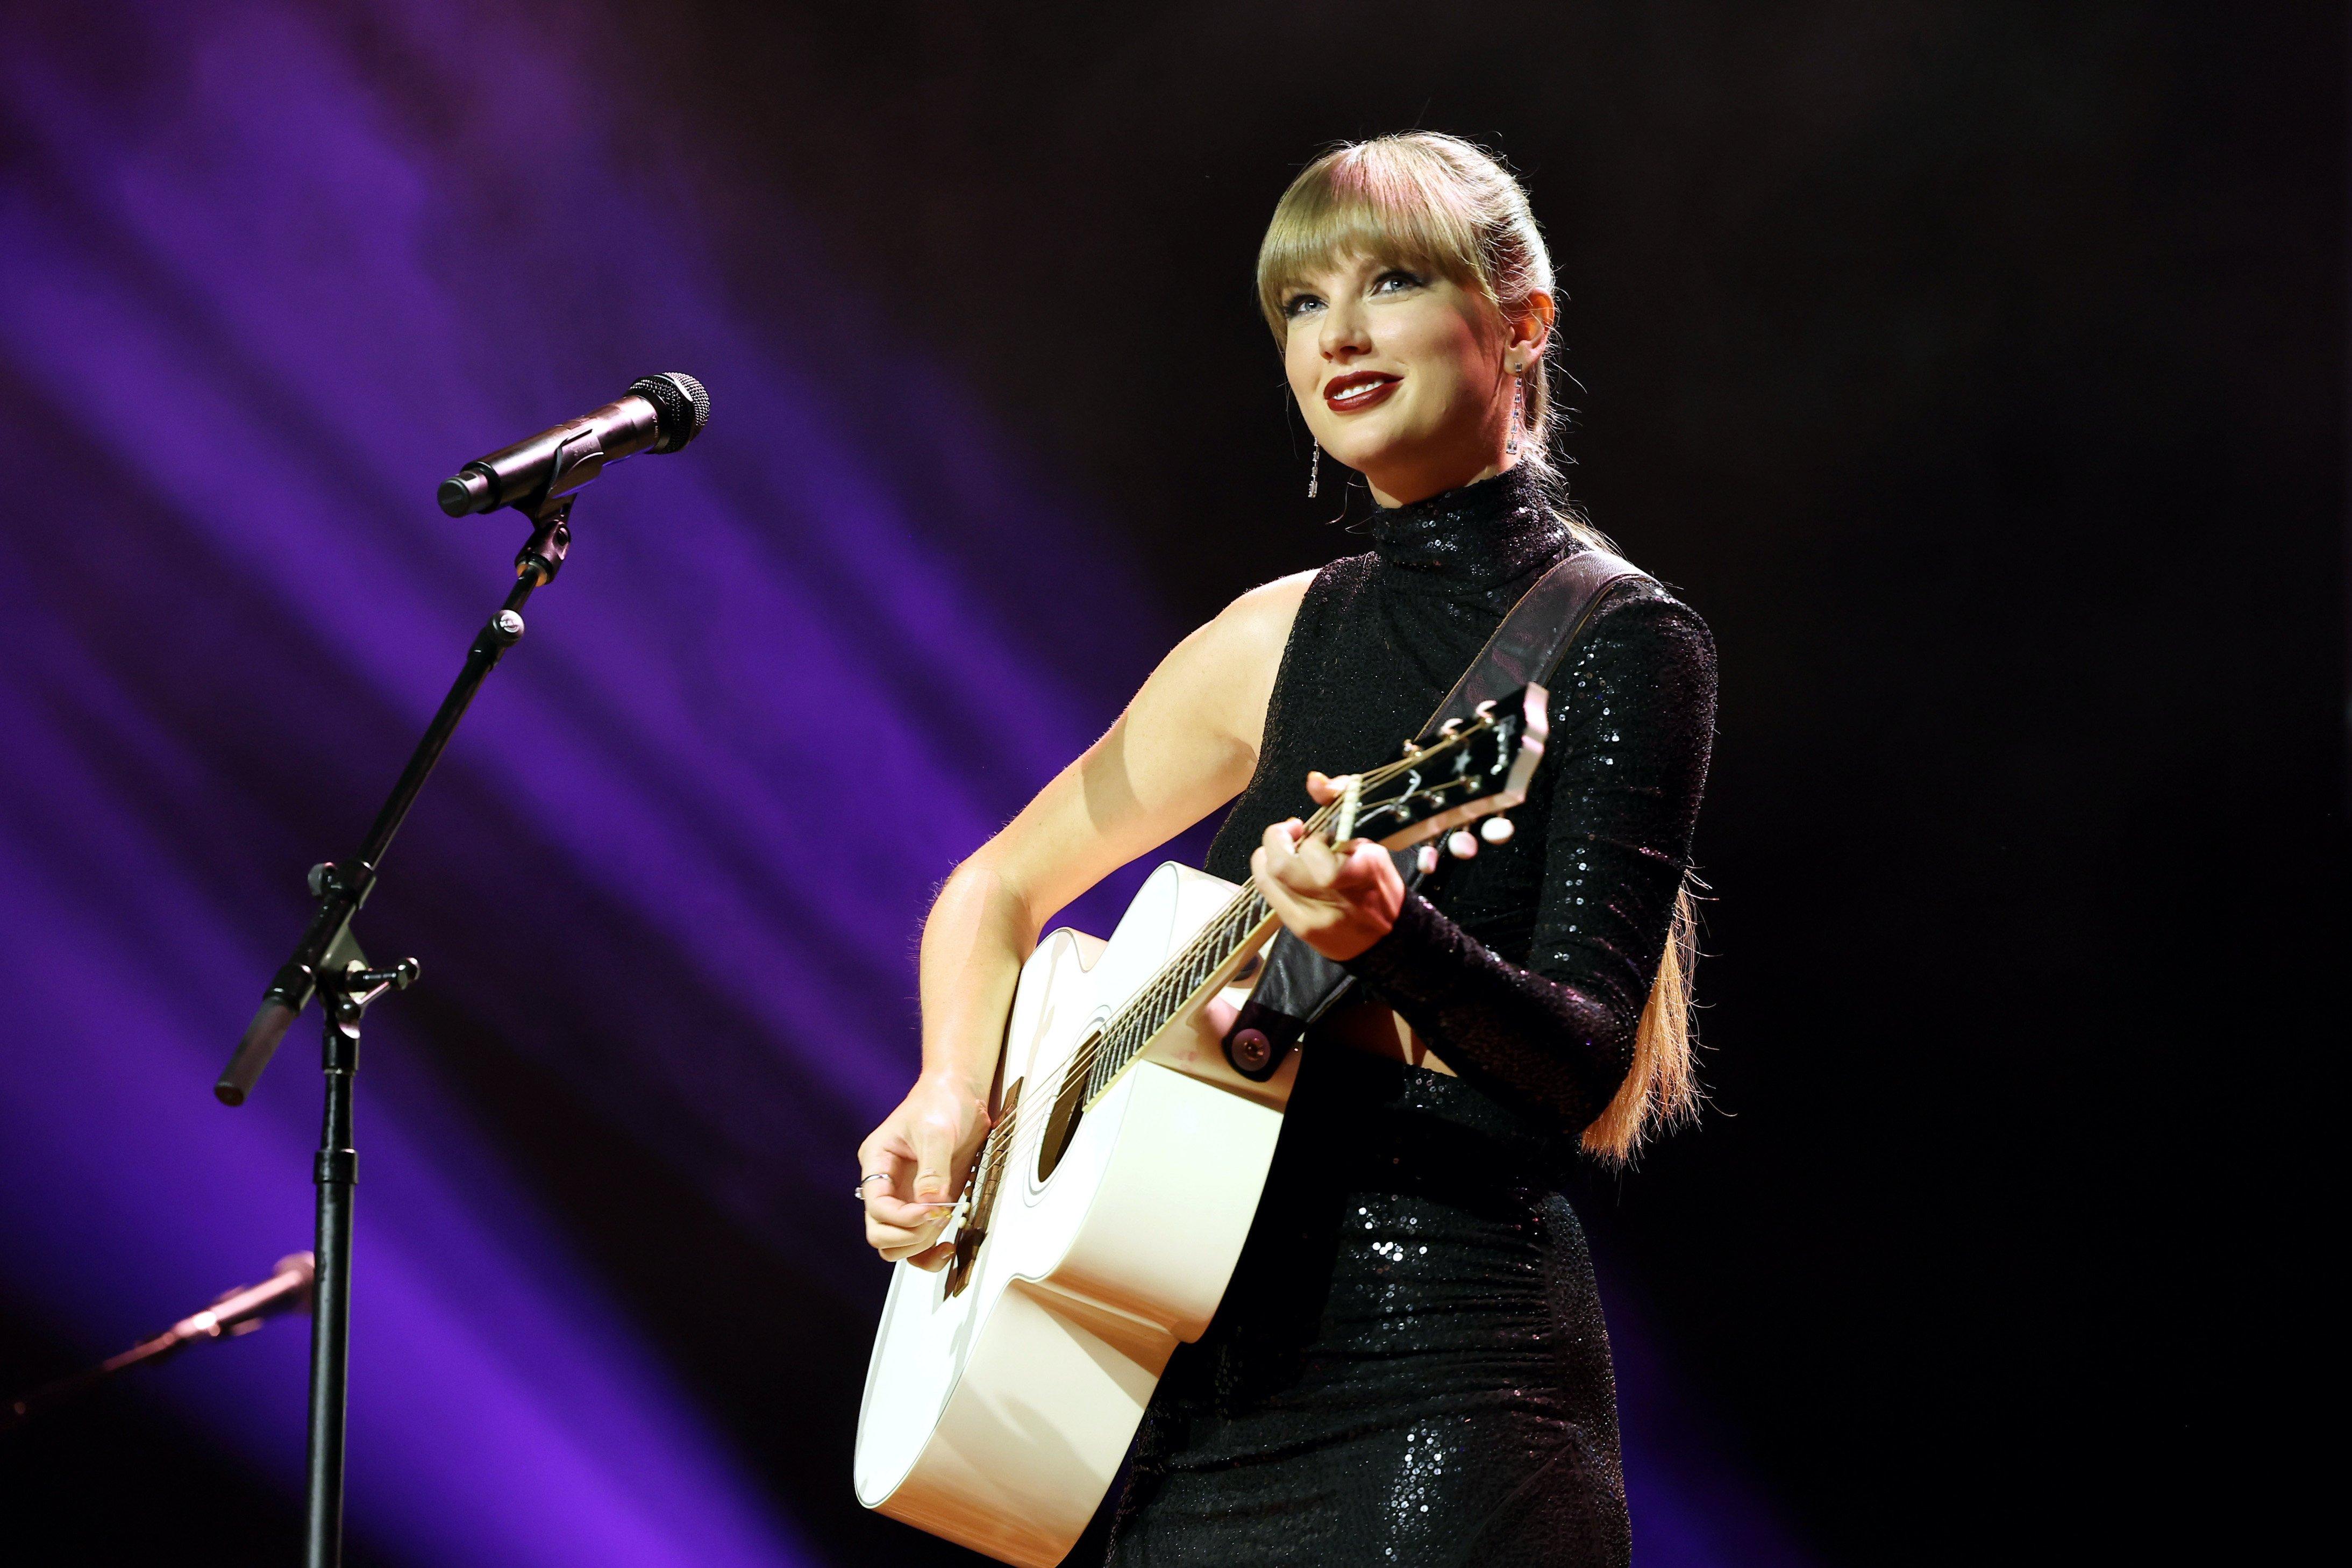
point(1633, 726)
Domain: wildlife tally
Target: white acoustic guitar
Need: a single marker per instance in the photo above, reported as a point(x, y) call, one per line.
point(1107, 1206)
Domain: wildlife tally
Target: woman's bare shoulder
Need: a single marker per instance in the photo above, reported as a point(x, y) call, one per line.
point(1220, 679)
point(1251, 634)
point(1260, 620)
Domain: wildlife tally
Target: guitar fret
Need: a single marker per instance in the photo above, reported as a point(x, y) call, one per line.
point(1150, 1010)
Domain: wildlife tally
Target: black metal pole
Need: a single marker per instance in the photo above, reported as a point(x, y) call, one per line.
point(330, 1314)
point(344, 994)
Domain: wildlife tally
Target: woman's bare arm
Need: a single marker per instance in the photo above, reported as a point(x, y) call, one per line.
point(1186, 745)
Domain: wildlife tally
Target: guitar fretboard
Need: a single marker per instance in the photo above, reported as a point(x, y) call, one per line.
point(1151, 1008)
point(1483, 752)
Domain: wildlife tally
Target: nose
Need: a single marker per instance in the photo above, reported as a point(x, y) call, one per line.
point(1346, 334)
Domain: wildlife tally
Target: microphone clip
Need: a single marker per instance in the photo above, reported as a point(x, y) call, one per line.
point(542, 556)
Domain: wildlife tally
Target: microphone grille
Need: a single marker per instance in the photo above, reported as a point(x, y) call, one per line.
point(679, 404)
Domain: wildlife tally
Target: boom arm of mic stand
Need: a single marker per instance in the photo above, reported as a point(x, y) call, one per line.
point(342, 889)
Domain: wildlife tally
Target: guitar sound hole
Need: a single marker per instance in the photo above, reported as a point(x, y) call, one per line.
point(1069, 1109)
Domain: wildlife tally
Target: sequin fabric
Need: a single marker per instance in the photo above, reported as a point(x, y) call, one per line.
point(1410, 1367)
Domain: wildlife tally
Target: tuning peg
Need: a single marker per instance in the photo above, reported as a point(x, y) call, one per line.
point(1497, 829)
point(1426, 858)
point(1461, 844)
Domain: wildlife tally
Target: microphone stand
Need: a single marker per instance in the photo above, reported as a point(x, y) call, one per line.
point(329, 962)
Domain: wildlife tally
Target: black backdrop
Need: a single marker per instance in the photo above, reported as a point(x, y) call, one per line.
point(1978, 371)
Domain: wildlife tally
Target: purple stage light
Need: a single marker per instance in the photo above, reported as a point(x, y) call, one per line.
point(244, 280)
point(267, 274)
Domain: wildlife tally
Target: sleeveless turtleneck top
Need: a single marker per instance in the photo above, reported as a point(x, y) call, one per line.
point(1410, 1366)
point(1526, 967)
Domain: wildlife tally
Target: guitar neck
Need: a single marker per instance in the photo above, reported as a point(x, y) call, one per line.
point(1473, 767)
point(1204, 966)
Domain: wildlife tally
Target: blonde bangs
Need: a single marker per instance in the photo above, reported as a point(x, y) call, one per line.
point(1383, 199)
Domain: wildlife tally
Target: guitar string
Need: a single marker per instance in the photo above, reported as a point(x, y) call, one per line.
point(1257, 909)
point(1230, 924)
point(1120, 1030)
point(1153, 1007)
point(1222, 931)
point(1162, 999)
point(1116, 1030)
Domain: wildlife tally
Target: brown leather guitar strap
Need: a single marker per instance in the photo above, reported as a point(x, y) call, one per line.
point(1299, 984)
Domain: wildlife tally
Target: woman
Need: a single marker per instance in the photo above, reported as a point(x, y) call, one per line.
point(1410, 1365)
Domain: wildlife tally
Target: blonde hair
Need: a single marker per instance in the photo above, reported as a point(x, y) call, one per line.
point(1443, 205)
point(1661, 1089)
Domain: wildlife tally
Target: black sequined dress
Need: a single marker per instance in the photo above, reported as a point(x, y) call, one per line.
point(1410, 1366)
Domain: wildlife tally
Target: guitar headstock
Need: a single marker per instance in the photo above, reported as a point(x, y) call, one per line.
point(1467, 770)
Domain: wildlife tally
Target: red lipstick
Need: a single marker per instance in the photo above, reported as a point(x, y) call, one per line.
point(1357, 390)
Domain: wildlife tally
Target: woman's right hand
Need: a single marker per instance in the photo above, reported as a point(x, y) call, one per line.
point(922, 1151)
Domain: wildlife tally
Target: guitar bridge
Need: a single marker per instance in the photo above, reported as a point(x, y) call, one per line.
point(980, 1196)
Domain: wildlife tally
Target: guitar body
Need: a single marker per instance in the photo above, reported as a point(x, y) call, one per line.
point(1004, 1390)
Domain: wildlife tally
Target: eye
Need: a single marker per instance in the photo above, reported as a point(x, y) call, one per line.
point(1298, 305)
point(1395, 280)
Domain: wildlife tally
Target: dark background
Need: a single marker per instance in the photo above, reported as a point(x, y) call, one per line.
point(1978, 373)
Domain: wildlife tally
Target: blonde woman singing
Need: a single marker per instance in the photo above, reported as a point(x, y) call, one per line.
point(1410, 1366)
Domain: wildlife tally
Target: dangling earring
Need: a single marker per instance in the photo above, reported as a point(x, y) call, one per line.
point(1518, 414)
point(1314, 468)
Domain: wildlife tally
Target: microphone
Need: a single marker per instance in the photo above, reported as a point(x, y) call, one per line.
point(233, 1312)
point(240, 1311)
point(659, 413)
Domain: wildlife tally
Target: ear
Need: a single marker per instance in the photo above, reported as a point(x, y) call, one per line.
point(1526, 334)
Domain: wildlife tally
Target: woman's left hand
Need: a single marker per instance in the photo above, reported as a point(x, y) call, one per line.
point(1338, 901)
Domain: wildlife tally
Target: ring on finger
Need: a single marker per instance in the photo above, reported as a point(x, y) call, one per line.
point(858, 1192)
